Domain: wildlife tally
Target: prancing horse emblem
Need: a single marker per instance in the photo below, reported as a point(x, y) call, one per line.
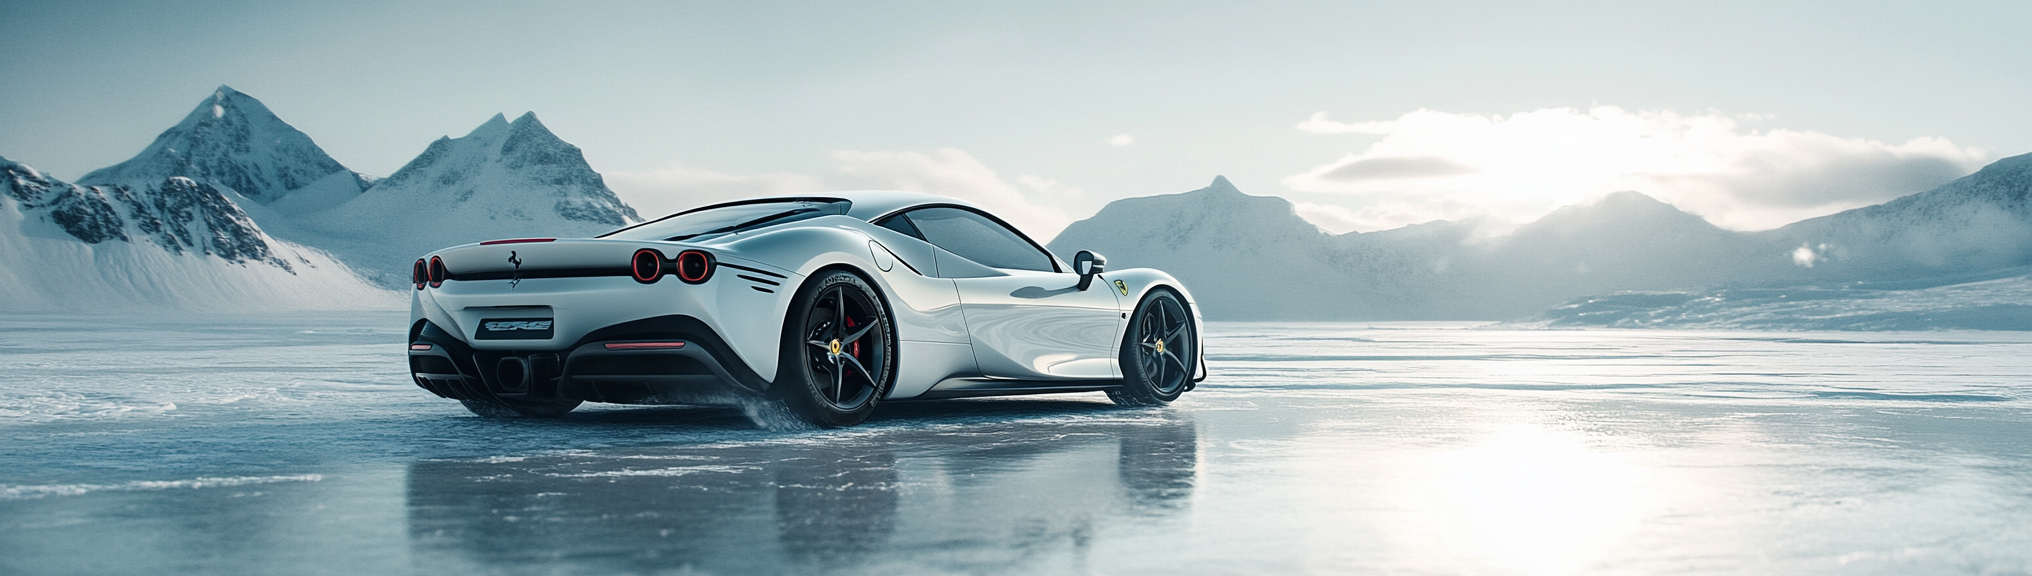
point(512, 259)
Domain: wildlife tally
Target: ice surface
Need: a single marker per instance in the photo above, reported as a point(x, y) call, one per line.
point(294, 444)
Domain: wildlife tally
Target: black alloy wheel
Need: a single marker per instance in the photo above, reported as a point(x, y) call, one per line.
point(1157, 352)
point(839, 352)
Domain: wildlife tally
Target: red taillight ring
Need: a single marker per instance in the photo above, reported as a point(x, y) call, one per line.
point(646, 265)
point(419, 274)
point(437, 272)
point(694, 266)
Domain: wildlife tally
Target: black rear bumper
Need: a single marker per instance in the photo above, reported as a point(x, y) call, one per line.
point(664, 360)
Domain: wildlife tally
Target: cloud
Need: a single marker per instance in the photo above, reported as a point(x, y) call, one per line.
point(1121, 140)
point(1318, 124)
point(1432, 165)
point(1395, 168)
point(1033, 204)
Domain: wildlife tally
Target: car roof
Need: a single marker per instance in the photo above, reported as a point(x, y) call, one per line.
point(872, 204)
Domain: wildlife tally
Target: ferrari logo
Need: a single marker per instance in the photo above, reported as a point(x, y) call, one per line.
point(835, 347)
point(512, 259)
point(1160, 346)
point(1122, 287)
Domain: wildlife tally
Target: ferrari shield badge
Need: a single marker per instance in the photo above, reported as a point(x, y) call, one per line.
point(1122, 287)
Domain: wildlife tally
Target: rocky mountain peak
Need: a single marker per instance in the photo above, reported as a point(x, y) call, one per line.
point(503, 179)
point(493, 128)
point(502, 159)
point(1218, 213)
point(1221, 185)
point(179, 214)
point(84, 213)
point(232, 140)
point(1625, 210)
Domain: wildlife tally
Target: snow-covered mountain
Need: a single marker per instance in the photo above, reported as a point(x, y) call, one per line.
point(1252, 257)
point(175, 227)
point(1228, 247)
point(1980, 221)
point(1623, 241)
point(1248, 257)
point(173, 244)
point(232, 141)
point(1953, 257)
point(503, 180)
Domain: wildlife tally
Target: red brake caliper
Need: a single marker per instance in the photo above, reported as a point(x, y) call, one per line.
point(855, 348)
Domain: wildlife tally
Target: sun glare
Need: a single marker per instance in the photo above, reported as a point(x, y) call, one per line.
point(1529, 500)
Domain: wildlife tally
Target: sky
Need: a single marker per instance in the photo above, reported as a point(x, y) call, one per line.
point(1367, 116)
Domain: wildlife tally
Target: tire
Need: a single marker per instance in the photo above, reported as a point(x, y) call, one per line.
point(1156, 352)
point(505, 408)
point(838, 355)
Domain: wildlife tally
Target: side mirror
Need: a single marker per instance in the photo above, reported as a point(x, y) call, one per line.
point(1088, 265)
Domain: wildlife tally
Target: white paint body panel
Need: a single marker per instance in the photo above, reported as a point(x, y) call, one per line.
point(1040, 326)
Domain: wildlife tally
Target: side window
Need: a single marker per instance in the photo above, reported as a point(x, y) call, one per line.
point(901, 225)
point(979, 239)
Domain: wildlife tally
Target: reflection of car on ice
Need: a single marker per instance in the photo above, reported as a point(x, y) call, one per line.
point(1027, 495)
point(829, 304)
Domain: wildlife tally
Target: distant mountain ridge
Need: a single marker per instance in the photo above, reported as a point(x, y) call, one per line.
point(196, 193)
point(1983, 220)
point(1256, 260)
point(234, 203)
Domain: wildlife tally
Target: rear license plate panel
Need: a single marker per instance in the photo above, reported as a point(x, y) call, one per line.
point(516, 329)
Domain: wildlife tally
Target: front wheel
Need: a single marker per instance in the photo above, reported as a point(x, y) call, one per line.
point(1157, 352)
point(838, 353)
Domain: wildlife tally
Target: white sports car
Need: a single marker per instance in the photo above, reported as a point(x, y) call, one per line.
point(828, 304)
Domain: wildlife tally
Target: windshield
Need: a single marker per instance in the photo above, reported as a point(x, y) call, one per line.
point(711, 221)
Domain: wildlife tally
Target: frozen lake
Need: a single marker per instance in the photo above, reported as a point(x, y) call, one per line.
point(264, 445)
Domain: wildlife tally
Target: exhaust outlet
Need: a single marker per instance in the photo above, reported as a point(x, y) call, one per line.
point(512, 373)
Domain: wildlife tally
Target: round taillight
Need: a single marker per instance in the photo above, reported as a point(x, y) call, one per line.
point(437, 272)
point(694, 266)
point(647, 265)
point(419, 274)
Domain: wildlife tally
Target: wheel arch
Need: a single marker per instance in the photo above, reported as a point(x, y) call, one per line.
point(1141, 282)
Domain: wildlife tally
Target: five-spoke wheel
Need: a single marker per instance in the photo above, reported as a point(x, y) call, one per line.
point(1157, 352)
point(838, 351)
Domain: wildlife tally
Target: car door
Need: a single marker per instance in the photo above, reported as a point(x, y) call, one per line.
point(1026, 315)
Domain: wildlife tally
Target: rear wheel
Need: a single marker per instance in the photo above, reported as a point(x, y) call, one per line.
point(838, 353)
point(1157, 352)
